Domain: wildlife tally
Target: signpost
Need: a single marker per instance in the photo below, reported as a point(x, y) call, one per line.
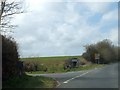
point(97, 57)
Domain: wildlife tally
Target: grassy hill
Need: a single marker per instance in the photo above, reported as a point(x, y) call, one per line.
point(54, 64)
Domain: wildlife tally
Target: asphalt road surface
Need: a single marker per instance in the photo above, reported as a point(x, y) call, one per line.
point(105, 77)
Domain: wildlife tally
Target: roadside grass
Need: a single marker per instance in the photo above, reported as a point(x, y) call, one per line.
point(27, 81)
point(88, 67)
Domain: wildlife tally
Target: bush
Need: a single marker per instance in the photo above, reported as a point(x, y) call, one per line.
point(10, 57)
point(108, 52)
point(30, 66)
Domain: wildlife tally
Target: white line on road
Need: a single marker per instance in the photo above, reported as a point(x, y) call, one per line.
point(75, 77)
point(58, 84)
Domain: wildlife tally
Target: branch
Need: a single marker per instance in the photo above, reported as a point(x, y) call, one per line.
point(12, 6)
point(2, 8)
point(9, 26)
point(9, 14)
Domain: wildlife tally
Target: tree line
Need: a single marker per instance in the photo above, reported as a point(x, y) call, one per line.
point(107, 52)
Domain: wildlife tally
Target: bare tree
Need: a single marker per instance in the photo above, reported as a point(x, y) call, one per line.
point(8, 9)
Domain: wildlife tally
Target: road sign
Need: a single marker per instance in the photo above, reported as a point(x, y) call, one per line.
point(97, 56)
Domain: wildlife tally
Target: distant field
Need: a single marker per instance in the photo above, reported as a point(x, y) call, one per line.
point(51, 61)
point(51, 58)
point(53, 64)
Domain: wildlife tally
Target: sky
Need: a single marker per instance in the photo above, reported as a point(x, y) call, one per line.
point(61, 28)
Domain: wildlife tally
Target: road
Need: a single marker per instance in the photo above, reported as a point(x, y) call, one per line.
point(105, 77)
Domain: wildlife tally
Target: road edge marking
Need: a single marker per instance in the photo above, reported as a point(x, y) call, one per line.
point(75, 77)
point(58, 84)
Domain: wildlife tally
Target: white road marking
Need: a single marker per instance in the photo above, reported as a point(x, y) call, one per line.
point(75, 77)
point(58, 84)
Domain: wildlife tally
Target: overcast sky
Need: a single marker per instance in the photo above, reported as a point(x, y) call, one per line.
point(63, 28)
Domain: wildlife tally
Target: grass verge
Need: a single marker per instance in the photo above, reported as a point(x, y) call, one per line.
point(88, 67)
point(30, 82)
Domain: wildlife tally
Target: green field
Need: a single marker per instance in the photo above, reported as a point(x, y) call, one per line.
point(56, 64)
point(48, 59)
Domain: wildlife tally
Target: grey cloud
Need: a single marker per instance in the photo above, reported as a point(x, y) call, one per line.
point(51, 32)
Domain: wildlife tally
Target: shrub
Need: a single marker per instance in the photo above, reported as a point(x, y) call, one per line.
point(30, 66)
point(10, 57)
point(108, 52)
